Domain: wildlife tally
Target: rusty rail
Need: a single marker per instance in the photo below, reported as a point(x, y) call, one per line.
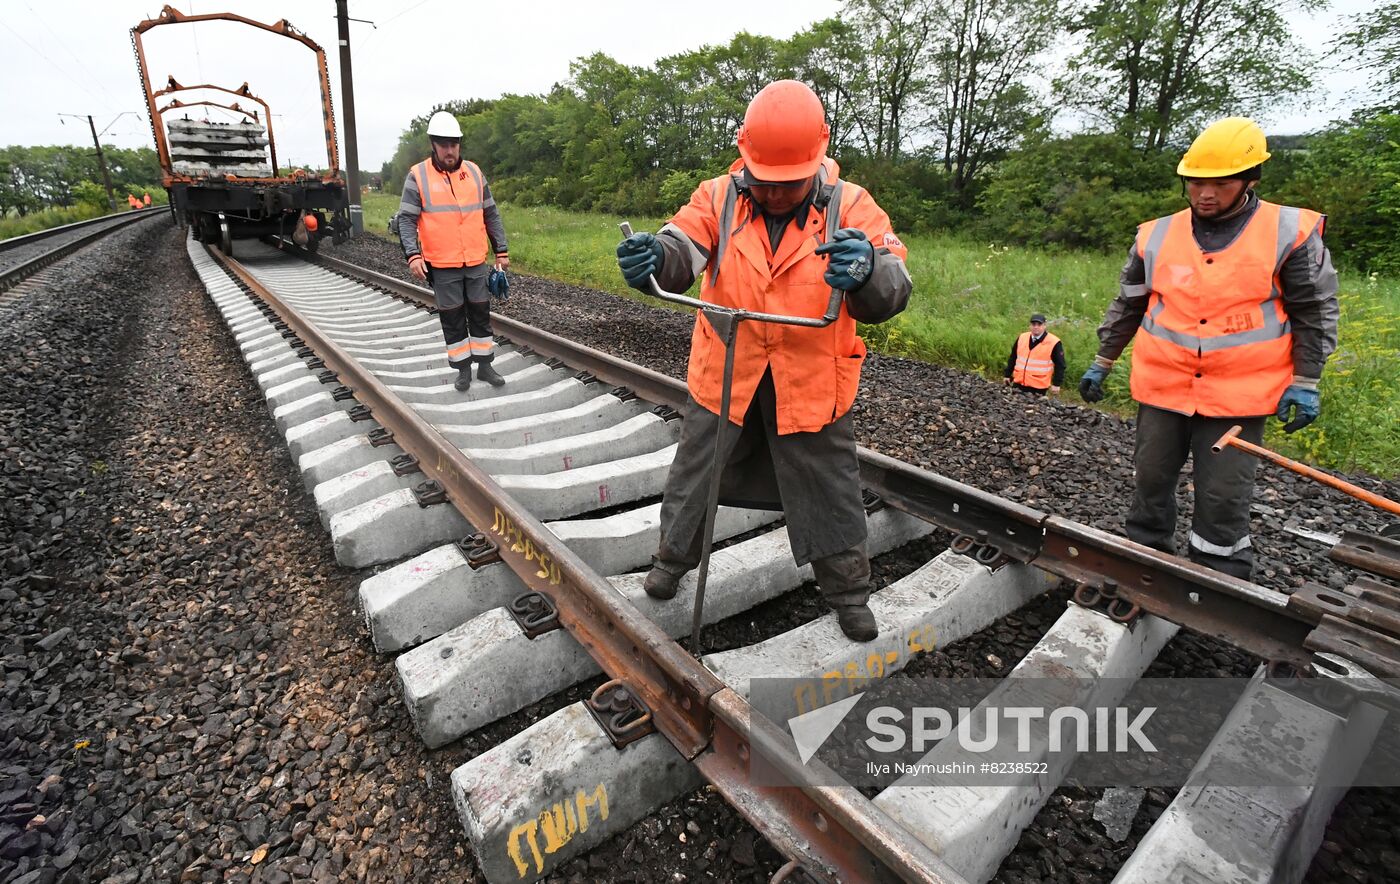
point(1258, 620)
point(101, 226)
point(835, 834)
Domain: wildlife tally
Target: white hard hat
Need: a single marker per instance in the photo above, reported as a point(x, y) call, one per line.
point(444, 125)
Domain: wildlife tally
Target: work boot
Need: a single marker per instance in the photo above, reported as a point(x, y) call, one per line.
point(844, 579)
point(464, 379)
point(485, 372)
point(664, 579)
point(857, 622)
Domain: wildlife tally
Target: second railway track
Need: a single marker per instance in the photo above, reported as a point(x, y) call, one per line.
point(23, 256)
point(583, 441)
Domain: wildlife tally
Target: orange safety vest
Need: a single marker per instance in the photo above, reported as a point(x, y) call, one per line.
point(452, 228)
point(1216, 340)
point(816, 371)
point(1034, 367)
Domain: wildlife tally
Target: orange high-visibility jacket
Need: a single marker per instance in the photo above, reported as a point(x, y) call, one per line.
point(1215, 339)
point(452, 228)
point(1034, 367)
point(815, 370)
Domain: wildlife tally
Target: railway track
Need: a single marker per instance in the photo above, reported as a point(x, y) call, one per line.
point(23, 256)
point(510, 519)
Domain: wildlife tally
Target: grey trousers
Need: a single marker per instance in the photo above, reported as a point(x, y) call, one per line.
point(814, 478)
point(464, 311)
point(1219, 536)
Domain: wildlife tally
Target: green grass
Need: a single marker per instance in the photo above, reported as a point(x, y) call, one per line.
point(972, 298)
point(15, 225)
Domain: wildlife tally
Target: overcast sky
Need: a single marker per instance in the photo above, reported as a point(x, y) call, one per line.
point(75, 57)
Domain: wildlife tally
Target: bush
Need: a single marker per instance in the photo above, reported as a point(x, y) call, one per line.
point(1085, 191)
point(91, 194)
point(1351, 173)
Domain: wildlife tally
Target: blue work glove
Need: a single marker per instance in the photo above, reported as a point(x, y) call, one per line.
point(851, 258)
point(498, 284)
point(1091, 385)
point(639, 256)
point(1305, 401)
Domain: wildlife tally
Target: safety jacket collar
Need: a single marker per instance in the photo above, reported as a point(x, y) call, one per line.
point(432, 161)
point(737, 214)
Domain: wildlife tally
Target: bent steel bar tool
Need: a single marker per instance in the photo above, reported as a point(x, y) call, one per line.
point(725, 321)
point(1232, 439)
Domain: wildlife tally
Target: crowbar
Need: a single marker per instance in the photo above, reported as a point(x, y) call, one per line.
point(1232, 438)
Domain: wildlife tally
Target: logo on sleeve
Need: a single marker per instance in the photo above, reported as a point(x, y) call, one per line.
point(892, 240)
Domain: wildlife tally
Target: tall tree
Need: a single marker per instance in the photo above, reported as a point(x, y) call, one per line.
point(825, 57)
point(1373, 45)
point(1155, 69)
point(987, 53)
point(893, 55)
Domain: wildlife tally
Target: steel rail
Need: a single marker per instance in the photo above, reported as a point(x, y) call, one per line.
point(1257, 620)
point(13, 275)
point(50, 232)
point(835, 834)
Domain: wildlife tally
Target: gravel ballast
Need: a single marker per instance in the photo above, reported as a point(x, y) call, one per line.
point(189, 694)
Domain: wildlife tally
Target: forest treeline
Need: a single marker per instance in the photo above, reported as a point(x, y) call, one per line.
point(1028, 121)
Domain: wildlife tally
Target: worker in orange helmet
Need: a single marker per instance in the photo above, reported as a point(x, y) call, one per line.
point(776, 234)
point(1232, 307)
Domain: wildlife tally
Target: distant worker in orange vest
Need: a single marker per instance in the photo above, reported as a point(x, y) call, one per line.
point(776, 234)
point(448, 223)
point(132, 202)
point(146, 200)
point(1037, 361)
point(1232, 305)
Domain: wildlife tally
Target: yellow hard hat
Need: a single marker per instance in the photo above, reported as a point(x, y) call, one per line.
point(1225, 148)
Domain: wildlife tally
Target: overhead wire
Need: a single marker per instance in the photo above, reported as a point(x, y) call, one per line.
point(62, 69)
point(77, 61)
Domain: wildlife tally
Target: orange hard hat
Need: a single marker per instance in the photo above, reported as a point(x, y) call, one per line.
point(784, 136)
point(310, 222)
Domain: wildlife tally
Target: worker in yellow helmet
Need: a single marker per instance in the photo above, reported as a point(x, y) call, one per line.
point(1232, 307)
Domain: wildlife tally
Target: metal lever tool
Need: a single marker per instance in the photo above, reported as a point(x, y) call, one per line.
point(725, 321)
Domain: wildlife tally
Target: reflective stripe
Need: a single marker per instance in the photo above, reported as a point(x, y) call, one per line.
point(476, 175)
point(1152, 247)
point(1272, 329)
point(726, 219)
point(833, 219)
point(465, 210)
point(482, 345)
point(425, 191)
point(425, 185)
point(1215, 549)
point(459, 349)
point(1132, 292)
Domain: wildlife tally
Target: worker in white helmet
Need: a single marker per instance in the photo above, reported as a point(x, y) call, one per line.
point(448, 226)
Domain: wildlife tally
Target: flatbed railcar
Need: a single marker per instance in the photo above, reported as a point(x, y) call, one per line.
point(223, 178)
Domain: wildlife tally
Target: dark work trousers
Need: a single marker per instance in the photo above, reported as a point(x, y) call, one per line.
point(814, 478)
point(464, 309)
point(1032, 390)
point(1224, 487)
